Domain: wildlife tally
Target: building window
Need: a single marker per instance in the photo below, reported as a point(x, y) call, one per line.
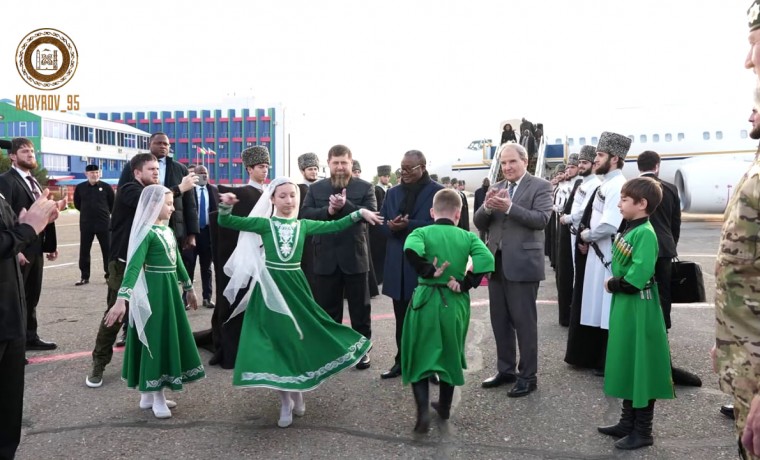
point(53, 162)
point(706, 135)
point(643, 138)
point(719, 135)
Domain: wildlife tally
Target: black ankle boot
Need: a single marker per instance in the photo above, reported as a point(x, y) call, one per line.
point(422, 398)
point(642, 430)
point(624, 426)
point(685, 378)
point(443, 406)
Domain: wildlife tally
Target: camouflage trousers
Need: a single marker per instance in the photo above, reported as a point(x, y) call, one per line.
point(741, 411)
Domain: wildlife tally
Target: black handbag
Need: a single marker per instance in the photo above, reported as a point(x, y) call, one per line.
point(686, 282)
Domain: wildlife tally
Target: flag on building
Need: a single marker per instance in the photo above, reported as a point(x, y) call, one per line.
point(210, 152)
point(202, 151)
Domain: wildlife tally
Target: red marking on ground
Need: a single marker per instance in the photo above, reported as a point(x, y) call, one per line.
point(64, 356)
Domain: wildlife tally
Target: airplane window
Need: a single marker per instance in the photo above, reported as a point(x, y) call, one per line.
point(668, 137)
point(582, 141)
point(706, 135)
point(655, 138)
point(743, 134)
point(630, 136)
point(570, 141)
point(719, 135)
point(680, 136)
point(594, 140)
point(643, 138)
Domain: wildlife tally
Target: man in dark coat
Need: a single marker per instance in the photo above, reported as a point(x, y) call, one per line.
point(464, 220)
point(564, 266)
point(16, 233)
point(94, 200)
point(406, 207)
point(21, 189)
point(308, 164)
point(224, 336)
point(666, 220)
point(342, 259)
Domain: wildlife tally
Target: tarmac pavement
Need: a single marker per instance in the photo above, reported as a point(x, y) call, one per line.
point(356, 414)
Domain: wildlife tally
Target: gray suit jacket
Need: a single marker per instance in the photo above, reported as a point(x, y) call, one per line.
point(520, 234)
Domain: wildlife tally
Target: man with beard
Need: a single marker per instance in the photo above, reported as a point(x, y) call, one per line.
point(145, 171)
point(21, 190)
point(224, 336)
point(563, 274)
point(341, 260)
point(605, 219)
point(16, 233)
point(577, 334)
point(376, 237)
point(406, 207)
point(308, 164)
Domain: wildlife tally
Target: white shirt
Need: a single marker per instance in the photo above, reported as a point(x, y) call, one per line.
point(162, 170)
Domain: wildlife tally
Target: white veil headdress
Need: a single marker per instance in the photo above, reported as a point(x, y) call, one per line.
point(152, 200)
point(247, 262)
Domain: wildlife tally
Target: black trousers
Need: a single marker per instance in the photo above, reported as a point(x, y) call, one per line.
point(399, 311)
point(32, 287)
point(202, 251)
point(329, 295)
point(11, 395)
point(85, 246)
point(662, 273)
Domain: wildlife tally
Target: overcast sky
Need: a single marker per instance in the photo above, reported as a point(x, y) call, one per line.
point(386, 77)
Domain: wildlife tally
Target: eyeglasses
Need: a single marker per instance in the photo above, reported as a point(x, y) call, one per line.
point(403, 170)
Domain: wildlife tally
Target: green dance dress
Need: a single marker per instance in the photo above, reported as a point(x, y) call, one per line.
point(172, 359)
point(638, 355)
point(272, 354)
point(436, 323)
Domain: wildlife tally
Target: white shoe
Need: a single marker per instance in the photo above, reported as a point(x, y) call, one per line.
point(162, 412)
point(286, 419)
point(148, 404)
point(299, 410)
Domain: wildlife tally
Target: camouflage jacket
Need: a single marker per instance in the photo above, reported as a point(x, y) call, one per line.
point(737, 291)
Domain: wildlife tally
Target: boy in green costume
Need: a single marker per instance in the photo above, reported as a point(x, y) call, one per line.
point(435, 327)
point(638, 357)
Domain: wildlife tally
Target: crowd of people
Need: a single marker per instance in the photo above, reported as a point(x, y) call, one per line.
point(285, 255)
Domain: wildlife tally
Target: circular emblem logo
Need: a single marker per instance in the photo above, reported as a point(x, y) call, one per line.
point(46, 59)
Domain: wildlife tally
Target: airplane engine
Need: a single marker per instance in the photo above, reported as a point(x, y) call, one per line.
point(706, 186)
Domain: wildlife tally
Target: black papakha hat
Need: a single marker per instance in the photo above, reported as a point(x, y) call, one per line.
point(89, 168)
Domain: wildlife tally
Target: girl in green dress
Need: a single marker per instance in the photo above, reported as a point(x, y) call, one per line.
point(160, 350)
point(288, 342)
point(638, 356)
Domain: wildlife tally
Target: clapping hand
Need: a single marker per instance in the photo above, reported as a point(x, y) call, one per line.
point(399, 223)
point(374, 218)
point(228, 198)
point(498, 201)
point(439, 270)
point(337, 201)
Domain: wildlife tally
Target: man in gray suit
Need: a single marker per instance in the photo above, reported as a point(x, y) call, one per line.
point(515, 213)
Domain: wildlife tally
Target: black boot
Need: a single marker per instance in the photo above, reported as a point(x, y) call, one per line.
point(624, 426)
point(642, 430)
point(685, 378)
point(443, 406)
point(422, 398)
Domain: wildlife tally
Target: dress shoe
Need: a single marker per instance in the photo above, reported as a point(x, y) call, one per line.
point(522, 388)
point(728, 411)
point(122, 339)
point(498, 379)
point(364, 362)
point(392, 373)
point(39, 344)
point(81, 282)
point(208, 304)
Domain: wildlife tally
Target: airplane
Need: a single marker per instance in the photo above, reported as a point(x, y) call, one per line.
point(703, 160)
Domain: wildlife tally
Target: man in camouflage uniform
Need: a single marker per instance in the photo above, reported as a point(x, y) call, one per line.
point(737, 302)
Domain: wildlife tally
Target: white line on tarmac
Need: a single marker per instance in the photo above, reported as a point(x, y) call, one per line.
point(60, 265)
point(697, 255)
point(700, 305)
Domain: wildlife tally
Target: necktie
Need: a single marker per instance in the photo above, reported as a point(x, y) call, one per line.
point(202, 209)
point(511, 189)
point(33, 184)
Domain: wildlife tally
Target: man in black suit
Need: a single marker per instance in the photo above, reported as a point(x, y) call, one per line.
point(16, 233)
point(224, 336)
point(206, 200)
point(515, 213)
point(94, 200)
point(376, 237)
point(342, 259)
point(21, 189)
point(174, 176)
point(666, 220)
